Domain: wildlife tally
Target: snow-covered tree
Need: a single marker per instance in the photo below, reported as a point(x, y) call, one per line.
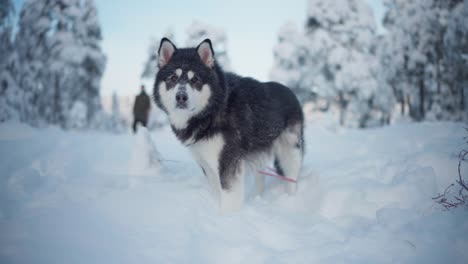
point(60, 58)
point(32, 52)
point(417, 65)
point(93, 63)
point(9, 94)
point(333, 60)
point(456, 53)
point(290, 56)
point(198, 31)
point(77, 116)
point(414, 27)
point(76, 61)
point(6, 27)
point(63, 58)
point(342, 35)
point(385, 97)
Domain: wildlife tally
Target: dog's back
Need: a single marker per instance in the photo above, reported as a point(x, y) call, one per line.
point(265, 118)
point(260, 112)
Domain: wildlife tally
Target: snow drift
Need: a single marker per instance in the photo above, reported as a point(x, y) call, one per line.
point(65, 198)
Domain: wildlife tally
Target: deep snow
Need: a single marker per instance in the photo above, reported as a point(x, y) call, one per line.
point(364, 197)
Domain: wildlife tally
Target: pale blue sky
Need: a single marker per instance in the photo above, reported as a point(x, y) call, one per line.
point(251, 27)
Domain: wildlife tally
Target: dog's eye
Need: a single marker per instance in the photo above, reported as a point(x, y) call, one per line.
point(173, 78)
point(195, 80)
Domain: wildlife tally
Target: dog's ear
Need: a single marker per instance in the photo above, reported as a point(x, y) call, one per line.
point(166, 50)
point(206, 53)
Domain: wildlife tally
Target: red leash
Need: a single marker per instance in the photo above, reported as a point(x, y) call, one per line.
point(276, 175)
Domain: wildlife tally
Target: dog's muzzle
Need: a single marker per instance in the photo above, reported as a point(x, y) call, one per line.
point(181, 99)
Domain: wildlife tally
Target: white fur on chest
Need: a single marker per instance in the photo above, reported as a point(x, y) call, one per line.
point(179, 119)
point(207, 152)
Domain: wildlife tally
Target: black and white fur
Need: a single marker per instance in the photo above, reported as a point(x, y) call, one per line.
point(228, 121)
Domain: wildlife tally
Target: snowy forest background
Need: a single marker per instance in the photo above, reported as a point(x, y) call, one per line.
point(77, 187)
point(51, 63)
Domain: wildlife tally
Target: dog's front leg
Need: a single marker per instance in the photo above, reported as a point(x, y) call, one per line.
point(232, 171)
point(207, 153)
point(224, 170)
point(232, 195)
point(226, 185)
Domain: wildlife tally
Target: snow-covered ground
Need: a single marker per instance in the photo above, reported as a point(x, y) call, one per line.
point(364, 197)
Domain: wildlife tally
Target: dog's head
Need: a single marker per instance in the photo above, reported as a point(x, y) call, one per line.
point(188, 81)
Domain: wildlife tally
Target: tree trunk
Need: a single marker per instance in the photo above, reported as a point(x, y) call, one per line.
point(462, 97)
point(341, 103)
point(409, 106)
point(421, 99)
point(56, 99)
point(438, 73)
point(89, 103)
point(439, 49)
point(402, 104)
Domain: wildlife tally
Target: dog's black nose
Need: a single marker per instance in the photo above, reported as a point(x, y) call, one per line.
point(181, 97)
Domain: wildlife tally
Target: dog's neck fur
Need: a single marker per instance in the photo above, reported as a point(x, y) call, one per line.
point(206, 125)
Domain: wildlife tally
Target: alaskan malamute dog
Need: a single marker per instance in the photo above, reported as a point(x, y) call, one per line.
point(228, 121)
